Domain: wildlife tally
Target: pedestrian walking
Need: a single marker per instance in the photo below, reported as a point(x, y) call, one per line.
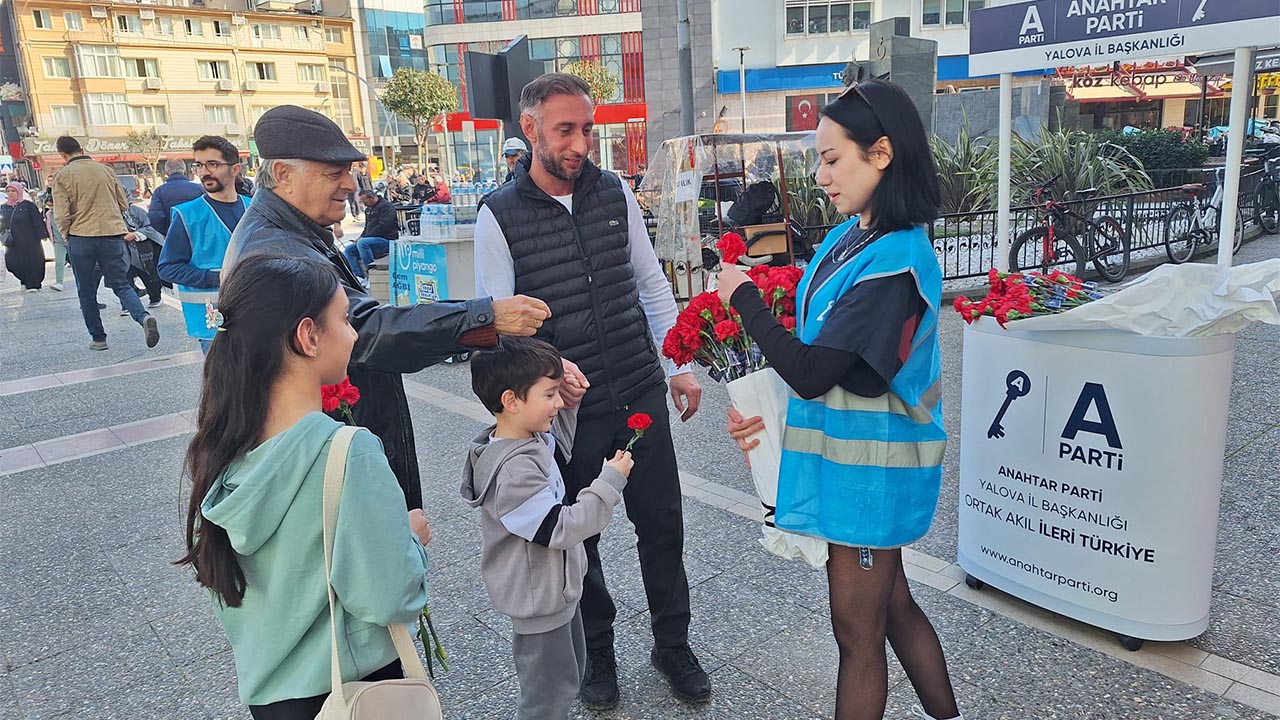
point(90, 210)
point(380, 229)
point(196, 245)
point(865, 369)
point(571, 234)
point(254, 531)
point(22, 229)
point(533, 560)
point(302, 190)
point(145, 244)
point(59, 242)
point(176, 189)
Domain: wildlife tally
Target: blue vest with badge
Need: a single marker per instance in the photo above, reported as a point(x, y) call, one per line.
point(866, 472)
point(209, 240)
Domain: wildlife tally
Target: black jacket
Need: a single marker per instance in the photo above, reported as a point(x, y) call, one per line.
point(380, 221)
point(390, 341)
point(580, 265)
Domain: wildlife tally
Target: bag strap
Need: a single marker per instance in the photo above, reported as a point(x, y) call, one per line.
point(335, 472)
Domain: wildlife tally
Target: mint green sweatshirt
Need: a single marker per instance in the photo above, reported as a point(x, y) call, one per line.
point(269, 502)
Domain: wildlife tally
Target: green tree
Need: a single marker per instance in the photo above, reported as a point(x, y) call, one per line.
point(602, 81)
point(419, 98)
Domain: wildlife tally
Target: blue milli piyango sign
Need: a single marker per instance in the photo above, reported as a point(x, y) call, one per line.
point(1051, 33)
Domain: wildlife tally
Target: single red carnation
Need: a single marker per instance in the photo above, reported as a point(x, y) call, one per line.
point(788, 322)
point(331, 403)
point(639, 422)
point(348, 393)
point(731, 247)
point(726, 329)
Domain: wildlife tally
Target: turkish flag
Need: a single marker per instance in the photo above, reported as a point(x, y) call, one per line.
point(802, 112)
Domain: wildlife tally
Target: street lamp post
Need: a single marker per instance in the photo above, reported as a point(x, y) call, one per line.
point(742, 83)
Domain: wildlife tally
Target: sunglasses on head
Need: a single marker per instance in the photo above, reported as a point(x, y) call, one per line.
point(857, 89)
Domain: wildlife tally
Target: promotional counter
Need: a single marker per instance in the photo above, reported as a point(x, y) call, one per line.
point(1090, 472)
point(430, 270)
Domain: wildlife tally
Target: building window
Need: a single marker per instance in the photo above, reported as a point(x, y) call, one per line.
point(266, 32)
point(131, 24)
point(193, 26)
point(608, 7)
point(57, 67)
point(339, 109)
point(1271, 106)
point(478, 11)
point(220, 114)
point(74, 22)
point(300, 33)
point(823, 17)
point(310, 73)
point(955, 12)
point(42, 19)
point(260, 70)
point(148, 115)
point(107, 108)
point(333, 35)
point(214, 69)
point(164, 26)
point(440, 12)
point(932, 13)
point(98, 61)
point(222, 28)
point(65, 115)
point(141, 67)
point(257, 111)
point(546, 8)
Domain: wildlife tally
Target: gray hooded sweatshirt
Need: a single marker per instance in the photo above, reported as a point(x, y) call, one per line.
point(533, 560)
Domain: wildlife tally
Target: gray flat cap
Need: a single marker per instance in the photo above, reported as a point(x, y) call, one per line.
point(289, 132)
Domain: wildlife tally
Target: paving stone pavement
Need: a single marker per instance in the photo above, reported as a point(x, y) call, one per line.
point(96, 623)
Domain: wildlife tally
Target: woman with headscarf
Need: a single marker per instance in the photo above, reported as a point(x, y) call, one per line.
point(22, 229)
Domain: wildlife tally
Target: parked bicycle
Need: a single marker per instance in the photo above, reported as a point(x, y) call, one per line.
point(1067, 240)
point(1195, 222)
point(1266, 199)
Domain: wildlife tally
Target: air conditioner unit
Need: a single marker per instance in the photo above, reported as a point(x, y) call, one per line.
point(251, 85)
point(238, 20)
point(163, 129)
point(98, 11)
point(226, 85)
point(152, 84)
point(147, 14)
point(322, 88)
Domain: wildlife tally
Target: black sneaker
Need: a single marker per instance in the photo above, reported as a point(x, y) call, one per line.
point(600, 688)
point(151, 331)
point(689, 682)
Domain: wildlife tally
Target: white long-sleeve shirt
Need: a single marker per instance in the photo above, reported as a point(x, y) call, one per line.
point(496, 271)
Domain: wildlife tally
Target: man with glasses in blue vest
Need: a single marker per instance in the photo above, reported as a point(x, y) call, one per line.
point(200, 231)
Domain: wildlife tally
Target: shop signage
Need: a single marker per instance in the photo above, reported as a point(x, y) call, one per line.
point(1144, 81)
point(418, 273)
point(105, 145)
point(1048, 33)
point(1073, 461)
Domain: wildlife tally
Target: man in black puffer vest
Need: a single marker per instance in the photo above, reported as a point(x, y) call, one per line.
point(572, 235)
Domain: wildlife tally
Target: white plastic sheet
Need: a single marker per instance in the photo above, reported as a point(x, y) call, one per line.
point(1192, 300)
point(765, 394)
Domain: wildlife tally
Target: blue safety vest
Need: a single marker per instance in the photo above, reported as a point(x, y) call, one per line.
point(866, 472)
point(209, 239)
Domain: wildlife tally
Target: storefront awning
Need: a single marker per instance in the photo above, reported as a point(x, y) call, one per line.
point(1264, 60)
point(1103, 93)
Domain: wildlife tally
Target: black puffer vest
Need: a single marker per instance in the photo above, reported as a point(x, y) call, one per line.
point(580, 266)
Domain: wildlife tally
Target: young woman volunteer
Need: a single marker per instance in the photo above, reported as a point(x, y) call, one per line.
point(255, 522)
point(863, 445)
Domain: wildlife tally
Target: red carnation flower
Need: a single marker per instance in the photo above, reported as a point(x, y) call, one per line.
point(731, 247)
point(726, 329)
point(639, 422)
point(340, 398)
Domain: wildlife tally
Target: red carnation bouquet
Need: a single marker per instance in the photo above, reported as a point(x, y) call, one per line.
point(1013, 296)
point(710, 333)
point(340, 399)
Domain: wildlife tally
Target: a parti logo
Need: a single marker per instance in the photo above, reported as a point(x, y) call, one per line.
point(1092, 416)
point(1032, 31)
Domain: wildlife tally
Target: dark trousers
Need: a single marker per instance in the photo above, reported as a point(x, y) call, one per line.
point(87, 254)
point(653, 504)
point(308, 708)
point(148, 252)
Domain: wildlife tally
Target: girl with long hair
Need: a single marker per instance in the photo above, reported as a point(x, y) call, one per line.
point(863, 442)
point(254, 521)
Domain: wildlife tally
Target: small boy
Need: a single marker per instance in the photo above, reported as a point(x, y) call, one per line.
point(533, 560)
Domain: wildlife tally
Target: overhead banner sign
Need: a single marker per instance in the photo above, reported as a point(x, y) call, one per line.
point(1052, 33)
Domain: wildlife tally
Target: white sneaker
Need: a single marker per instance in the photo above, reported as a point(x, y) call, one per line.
point(919, 712)
point(56, 286)
point(124, 313)
point(33, 289)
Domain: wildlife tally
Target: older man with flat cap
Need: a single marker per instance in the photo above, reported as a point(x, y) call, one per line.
point(302, 191)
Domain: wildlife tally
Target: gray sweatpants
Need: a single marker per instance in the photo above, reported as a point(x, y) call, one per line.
point(550, 667)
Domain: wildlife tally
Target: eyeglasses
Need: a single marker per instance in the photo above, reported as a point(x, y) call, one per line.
point(212, 165)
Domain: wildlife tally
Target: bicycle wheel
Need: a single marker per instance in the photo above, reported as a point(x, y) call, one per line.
point(1179, 234)
point(1027, 253)
point(1266, 205)
point(1110, 248)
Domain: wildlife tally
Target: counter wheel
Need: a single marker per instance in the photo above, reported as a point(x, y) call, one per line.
point(973, 582)
point(1132, 644)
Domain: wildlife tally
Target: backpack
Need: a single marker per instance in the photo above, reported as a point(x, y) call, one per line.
point(751, 207)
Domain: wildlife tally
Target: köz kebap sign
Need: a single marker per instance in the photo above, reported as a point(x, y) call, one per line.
point(1053, 33)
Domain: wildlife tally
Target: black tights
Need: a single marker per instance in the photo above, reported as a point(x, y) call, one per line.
point(868, 607)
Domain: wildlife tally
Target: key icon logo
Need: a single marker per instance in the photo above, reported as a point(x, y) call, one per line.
point(1017, 384)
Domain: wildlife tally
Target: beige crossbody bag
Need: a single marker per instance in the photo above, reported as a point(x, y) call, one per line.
point(413, 698)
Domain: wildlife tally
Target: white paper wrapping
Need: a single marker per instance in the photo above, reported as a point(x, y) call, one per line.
point(765, 394)
point(1192, 300)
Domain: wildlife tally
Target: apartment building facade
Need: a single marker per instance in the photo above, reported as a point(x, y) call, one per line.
point(176, 68)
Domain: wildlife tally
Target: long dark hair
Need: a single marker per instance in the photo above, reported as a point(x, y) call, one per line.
point(262, 301)
point(908, 193)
